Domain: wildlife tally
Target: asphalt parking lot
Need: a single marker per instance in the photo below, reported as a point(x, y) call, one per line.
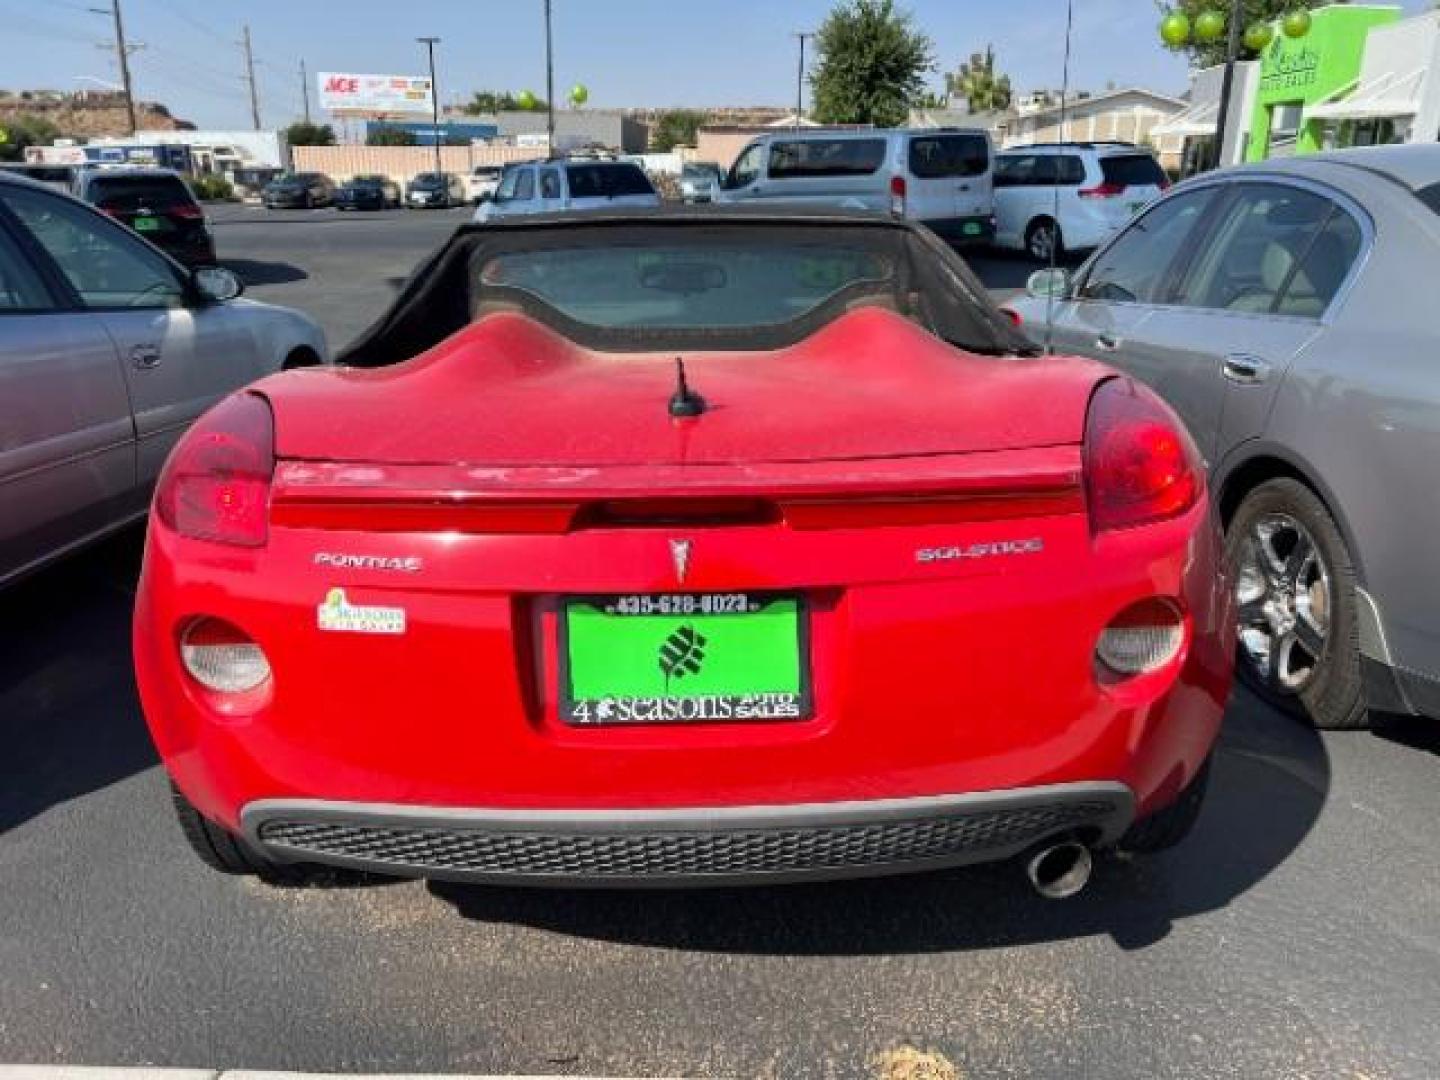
point(1296, 934)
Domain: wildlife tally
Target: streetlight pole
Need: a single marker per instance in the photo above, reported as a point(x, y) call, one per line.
point(1232, 54)
point(549, 86)
point(430, 43)
point(800, 78)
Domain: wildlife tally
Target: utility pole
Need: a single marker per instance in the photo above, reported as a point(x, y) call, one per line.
point(1232, 54)
point(549, 86)
point(122, 53)
point(305, 90)
point(430, 43)
point(250, 78)
point(800, 78)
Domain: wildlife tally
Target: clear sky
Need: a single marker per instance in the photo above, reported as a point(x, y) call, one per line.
point(628, 52)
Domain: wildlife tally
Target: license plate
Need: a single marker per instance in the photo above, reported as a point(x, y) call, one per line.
point(146, 224)
point(683, 658)
point(971, 228)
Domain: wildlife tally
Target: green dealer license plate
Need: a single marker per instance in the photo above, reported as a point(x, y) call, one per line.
point(683, 658)
point(146, 224)
point(971, 228)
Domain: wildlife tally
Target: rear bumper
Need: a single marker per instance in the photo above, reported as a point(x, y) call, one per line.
point(687, 847)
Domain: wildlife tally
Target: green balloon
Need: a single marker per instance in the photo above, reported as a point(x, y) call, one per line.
point(1175, 29)
point(579, 94)
point(1258, 36)
point(1209, 26)
point(1296, 24)
point(526, 99)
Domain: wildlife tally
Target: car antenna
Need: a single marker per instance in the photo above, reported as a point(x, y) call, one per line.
point(684, 402)
point(1055, 228)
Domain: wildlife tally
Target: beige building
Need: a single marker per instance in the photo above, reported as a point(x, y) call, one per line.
point(1130, 115)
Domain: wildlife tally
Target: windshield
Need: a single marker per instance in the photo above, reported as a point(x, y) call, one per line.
point(135, 192)
point(607, 181)
point(700, 172)
point(684, 286)
point(368, 181)
point(428, 180)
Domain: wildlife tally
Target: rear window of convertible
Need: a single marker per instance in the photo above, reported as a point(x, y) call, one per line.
point(687, 287)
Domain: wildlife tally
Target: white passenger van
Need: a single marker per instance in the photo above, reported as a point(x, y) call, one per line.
point(942, 177)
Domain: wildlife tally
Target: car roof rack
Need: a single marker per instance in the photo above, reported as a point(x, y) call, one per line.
point(1081, 144)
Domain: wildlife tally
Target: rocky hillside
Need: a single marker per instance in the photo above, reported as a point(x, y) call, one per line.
point(87, 114)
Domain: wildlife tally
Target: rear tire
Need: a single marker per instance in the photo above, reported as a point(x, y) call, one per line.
point(222, 850)
point(1299, 645)
point(1166, 828)
point(1044, 241)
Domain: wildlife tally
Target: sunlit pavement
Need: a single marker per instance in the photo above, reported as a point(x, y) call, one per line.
point(1296, 934)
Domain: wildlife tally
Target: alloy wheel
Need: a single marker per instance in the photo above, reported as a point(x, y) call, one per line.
point(1284, 596)
point(1042, 242)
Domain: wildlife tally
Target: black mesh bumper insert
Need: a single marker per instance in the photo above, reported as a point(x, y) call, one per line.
point(651, 852)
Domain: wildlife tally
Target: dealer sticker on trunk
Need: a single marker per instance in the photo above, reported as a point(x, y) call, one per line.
point(338, 615)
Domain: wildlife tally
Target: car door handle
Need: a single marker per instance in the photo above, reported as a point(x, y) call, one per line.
point(145, 356)
point(1245, 369)
point(1107, 342)
point(964, 187)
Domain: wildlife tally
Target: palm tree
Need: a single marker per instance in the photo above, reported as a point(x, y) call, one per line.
point(977, 82)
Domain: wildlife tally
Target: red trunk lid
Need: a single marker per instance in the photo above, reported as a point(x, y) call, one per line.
point(509, 392)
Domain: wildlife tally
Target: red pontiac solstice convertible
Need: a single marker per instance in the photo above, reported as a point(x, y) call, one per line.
point(685, 548)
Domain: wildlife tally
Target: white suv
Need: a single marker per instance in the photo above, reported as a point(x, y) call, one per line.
point(1054, 197)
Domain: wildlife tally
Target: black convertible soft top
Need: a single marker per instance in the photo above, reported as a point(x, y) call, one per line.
point(927, 281)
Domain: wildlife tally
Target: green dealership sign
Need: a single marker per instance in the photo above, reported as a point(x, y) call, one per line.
point(1308, 70)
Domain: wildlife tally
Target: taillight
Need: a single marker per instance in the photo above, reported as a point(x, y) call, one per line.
point(1140, 464)
point(1142, 638)
point(897, 196)
point(187, 211)
point(1016, 319)
point(1106, 190)
point(216, 484)
point(222, 657)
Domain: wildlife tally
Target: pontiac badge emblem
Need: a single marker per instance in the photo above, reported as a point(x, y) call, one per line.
point(680, 554)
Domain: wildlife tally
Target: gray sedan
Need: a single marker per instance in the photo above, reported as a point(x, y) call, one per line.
point(108, 350)
point(1282, 309)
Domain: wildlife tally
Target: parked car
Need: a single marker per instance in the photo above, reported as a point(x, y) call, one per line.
point(1071, 196)
point(434, 191)
point(699, 181)
point(368, 192)
point(108, 350)
point(482, 182)
point(694, 548)
point(555, 186)
point(942, 178)
point(157, 204)
point(303, 191)
point(60, 177)
point(1280, 309)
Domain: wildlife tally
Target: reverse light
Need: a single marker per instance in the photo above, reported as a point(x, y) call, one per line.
point(222, 657)
point(1142, 638)
point(1106, 190)
point(1140, 464)
point(898, 192)
point(216, 484)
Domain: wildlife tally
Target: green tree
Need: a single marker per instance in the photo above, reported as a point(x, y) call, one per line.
point(677, 128)
point(1209, 53)
point(389, 135)
point(23, 131)
point(872, 64)
point(304, 133)
point(489, 102)
point(983, 88)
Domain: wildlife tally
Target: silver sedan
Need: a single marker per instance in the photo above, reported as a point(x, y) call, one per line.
point(108, 350)
point(1283, 309)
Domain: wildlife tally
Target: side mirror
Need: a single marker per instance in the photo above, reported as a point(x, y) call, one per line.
point(1050, 284)
point(215, 284)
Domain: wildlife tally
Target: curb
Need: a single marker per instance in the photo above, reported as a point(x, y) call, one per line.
point(105, 1072)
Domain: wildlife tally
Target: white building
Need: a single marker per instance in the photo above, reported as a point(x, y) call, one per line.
point(1195, 126)
point(1397, 95)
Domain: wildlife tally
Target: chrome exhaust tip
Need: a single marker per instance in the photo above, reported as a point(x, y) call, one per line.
point(1059, 871)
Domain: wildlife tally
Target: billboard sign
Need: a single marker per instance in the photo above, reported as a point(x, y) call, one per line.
point(377, 95)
